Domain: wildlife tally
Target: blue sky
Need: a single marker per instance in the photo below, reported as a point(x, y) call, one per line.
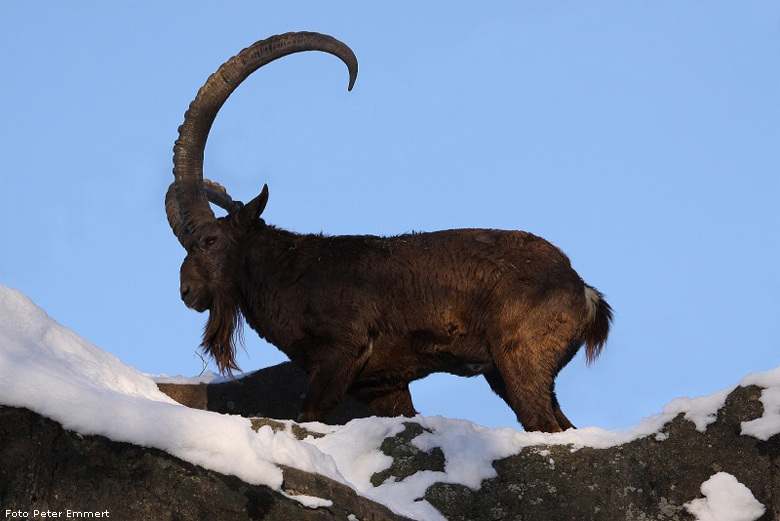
point(641, 138)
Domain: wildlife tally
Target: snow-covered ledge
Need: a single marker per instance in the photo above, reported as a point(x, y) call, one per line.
point(46, 368)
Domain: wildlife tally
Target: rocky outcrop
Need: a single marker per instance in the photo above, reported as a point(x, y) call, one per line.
point(45, 467)
point(650, 478)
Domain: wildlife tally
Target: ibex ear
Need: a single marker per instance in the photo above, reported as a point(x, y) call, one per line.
point(254, 208)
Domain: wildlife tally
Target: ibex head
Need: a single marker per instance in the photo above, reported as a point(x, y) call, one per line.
point(209, 273)
point(213, 250)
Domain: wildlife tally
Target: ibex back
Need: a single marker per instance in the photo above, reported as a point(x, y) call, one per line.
point(367, 315)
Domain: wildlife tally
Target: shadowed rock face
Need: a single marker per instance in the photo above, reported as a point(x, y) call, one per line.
point(275, 392)
point(44, 466)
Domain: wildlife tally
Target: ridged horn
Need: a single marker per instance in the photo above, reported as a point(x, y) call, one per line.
point(187, 203)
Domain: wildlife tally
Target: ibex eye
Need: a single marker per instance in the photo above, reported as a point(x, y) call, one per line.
point(209, 241)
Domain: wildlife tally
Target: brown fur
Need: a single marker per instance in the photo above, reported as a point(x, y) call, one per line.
point(366, 315)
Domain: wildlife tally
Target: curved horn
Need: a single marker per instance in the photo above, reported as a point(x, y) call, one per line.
point(217, 194)
point(187, 202)
point(173, 212)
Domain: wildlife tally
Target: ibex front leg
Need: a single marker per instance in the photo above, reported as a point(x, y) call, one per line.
point(331, 373)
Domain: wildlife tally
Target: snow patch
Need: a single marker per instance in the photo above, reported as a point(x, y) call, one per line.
point(769, 424)
point(702, 410)
point(310, 501)
point(725, 499)
point(206, 377)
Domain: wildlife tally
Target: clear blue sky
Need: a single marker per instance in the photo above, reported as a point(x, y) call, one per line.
point(643, 138)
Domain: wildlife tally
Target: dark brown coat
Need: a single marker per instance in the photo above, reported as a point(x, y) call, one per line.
point(366, 315)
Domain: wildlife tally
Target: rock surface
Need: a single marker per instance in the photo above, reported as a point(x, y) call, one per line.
point(50, 470)
point(642, 480)
point(275, 392)
point(46, 467)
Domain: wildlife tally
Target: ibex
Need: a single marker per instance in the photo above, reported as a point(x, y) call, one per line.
point(367, 315)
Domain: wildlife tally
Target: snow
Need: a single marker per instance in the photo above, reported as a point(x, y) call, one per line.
point(48, 369)
point(310, 501)
point(769, 424)
point(725, 499)
point(206, 377)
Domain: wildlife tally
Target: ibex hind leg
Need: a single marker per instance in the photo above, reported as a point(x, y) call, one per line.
point(571, 350)
point(524, 379)
point(498, 386)
point(563, 421)
point(496, 382)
